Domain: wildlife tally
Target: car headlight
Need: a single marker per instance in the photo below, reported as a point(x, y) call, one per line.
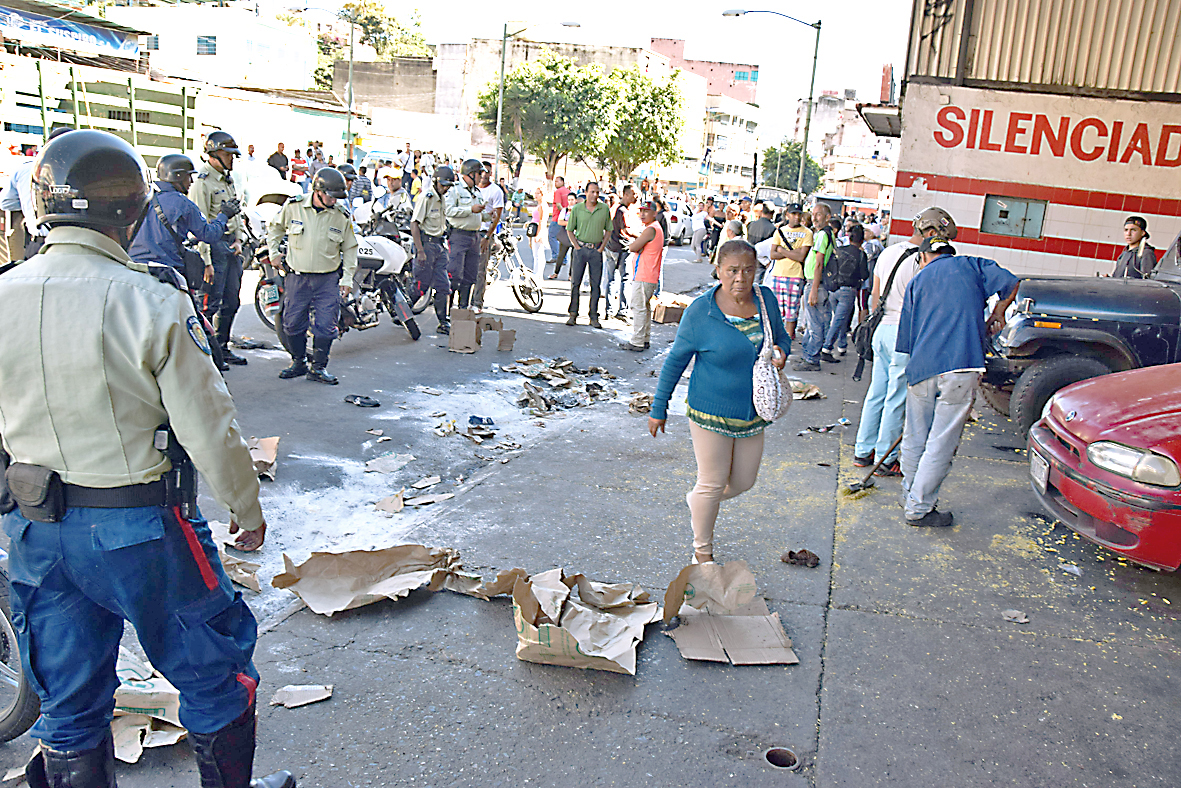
point(1136, 464)
point(1046, 409)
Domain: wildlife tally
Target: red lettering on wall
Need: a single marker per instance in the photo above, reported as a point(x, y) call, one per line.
point(1138, 144)
point(986, 131)
point(973, 124)
point(1162, 150)
point(946, 119)
point(1117, 128)
point(1076, 139)
point(1015, 129)
point(1042, 130)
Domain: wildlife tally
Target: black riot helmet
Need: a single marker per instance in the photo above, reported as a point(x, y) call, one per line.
point(221, 141)
point(174, 168)
point(89, 178)
point(471, 168)
point(445, 176)
point(348, 171)
point(330, 181)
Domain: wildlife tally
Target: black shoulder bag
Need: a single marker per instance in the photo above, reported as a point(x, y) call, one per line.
point(863, 333)
point(193, 262)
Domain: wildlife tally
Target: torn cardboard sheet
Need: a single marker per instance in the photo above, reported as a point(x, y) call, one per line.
point(392, 504)
point(134, 733)
point(802, 390)
point(295, 695)
point(147, 708)
point(378, 433)
point(264, 451)
point(598, 628)
point(426, 500)
point(332, 582)
point(241, 571)
point(467, 331)
point(429, 481)
point(640, 403)
point(388, 463)
point(724, 621)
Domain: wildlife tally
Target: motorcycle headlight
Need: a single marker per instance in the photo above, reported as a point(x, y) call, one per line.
point(1137, 464)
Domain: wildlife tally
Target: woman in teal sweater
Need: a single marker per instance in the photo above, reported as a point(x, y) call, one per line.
point(722, 333)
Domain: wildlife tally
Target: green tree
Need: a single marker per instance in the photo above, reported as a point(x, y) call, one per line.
point(781, 167)
point(328, 51)
point(554, 108)
point(649, 125)
point(383, 32)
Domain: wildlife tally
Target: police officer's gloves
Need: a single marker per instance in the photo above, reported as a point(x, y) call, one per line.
point(231, 208)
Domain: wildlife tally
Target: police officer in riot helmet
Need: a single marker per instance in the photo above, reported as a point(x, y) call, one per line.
point(428, 228)
point(213, 186)
point(108, 527)
point(322, 258)
point(350, 177)
point(463, 206)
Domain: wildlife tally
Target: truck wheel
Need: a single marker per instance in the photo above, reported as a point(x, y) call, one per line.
point(1038, 383)
point(997, 398)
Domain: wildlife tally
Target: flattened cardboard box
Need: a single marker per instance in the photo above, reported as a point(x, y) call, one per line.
point(733, 626)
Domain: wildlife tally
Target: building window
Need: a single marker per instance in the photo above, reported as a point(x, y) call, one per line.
point(723, 142)
point(754, 76)
point(1013, 216)
point(124, 115)
point(152, 43)
point(741, 76)
point(206, 45)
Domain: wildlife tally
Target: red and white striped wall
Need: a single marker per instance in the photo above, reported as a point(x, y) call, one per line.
point(1093, 161)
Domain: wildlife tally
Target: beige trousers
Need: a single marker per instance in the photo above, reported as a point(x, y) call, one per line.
point(726, 467)
point(639, 300)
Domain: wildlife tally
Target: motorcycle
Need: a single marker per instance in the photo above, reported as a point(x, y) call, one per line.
point(380, 284)
point(19, 705)
point(393, 225)
point(522, 280)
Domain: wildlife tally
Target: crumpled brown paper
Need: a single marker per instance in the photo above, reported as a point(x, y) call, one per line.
point(599, 629)
point(264, 451)
point(147, 709)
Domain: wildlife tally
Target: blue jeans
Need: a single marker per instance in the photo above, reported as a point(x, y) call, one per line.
point(612, 262)
point(819, 317)
point(75, 582)
point(936, 411)
point(555, 231)
point(840, 302)
point(885, 402)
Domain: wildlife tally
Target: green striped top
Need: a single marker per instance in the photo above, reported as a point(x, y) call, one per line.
point(752, 327)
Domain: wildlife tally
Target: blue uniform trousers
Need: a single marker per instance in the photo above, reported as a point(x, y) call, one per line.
point(311, 299)
point(433, 272)
point(464, 263)
point(225, 293)
point(74, 583)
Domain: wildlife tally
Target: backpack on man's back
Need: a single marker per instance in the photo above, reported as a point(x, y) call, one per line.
point(848, 267)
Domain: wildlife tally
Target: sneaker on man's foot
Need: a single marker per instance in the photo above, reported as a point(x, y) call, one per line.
point(631, 347)
point(571, 320)
point(444, 328)
point(806, 366)
point(829, 357)
point(840, 351)
point(932, 519)
point(889, 469)
point(863, 462)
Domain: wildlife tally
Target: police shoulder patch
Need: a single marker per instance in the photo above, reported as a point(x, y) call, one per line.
point(198, 335)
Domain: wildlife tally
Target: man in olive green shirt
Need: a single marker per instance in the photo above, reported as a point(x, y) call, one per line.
point(589, 227)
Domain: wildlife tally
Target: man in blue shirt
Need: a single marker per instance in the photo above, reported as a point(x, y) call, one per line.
point(943, 329)
point(156, 243)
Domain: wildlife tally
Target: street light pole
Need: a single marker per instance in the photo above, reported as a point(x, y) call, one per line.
point(811, 86)
point(348, 129)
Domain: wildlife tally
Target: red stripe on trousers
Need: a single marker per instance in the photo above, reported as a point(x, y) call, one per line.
point(198, 552)
point(250, 684)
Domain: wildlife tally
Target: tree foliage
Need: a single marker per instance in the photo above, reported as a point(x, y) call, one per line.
point(554, 107)
point(649, 121)
point(781, 167)
point(383, 32)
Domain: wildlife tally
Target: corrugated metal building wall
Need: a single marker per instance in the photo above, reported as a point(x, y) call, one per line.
point(1126, 48)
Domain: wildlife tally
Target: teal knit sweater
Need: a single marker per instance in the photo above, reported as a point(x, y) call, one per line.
point(721, 383)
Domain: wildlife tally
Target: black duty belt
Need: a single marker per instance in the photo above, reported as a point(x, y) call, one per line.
point(458, 230)
point(133, 495)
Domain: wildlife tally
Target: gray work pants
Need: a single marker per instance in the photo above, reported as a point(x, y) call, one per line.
point(936, 411)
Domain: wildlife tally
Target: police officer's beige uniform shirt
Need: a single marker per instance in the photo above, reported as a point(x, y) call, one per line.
point(209, 190)
point(95, 354)
point(457, 206)
point(429, 214)
point(318, 242)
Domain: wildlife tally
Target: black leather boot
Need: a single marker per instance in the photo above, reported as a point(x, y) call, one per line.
point(223, 339)
point(297, 346)
point(86, 769)
point(441, 314)
point(225, 758)
point(463, 296)
point(319, 371)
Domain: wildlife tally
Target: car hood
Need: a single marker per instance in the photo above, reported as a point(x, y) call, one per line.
point(1141, 408)
point(1103, 298)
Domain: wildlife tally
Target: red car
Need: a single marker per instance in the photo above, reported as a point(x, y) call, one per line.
point(1104, 460)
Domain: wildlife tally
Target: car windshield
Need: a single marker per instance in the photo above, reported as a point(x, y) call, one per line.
point(1169, 268)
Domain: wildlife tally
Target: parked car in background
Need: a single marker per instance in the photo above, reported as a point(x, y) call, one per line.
point(1105, 459)
point(680, 222)
point(1066, 329)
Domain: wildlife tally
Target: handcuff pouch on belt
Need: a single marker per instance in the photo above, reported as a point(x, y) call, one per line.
point(38, 491)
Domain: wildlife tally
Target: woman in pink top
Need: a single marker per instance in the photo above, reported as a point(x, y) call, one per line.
point(538, 242)
point(650, 254)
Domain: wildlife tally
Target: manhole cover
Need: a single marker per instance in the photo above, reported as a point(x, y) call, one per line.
point(782, 758)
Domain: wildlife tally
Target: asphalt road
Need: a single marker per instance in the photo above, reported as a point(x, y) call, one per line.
point(908, 674)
